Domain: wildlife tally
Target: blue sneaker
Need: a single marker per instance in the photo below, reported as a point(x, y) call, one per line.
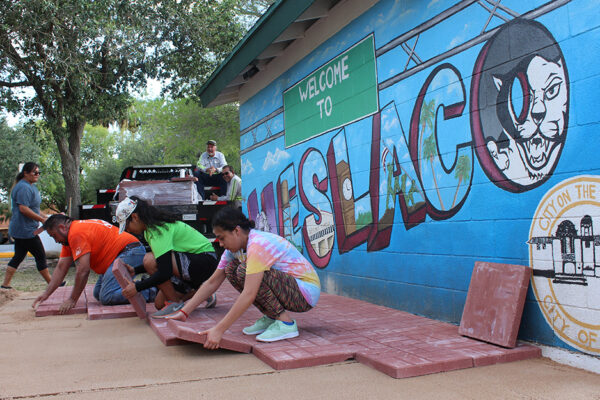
point(259, 326)
point(278, 331)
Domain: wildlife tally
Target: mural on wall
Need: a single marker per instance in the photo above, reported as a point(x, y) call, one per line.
point(564, 251)
point(520, 139)
point(518, 142)
point(411, 156)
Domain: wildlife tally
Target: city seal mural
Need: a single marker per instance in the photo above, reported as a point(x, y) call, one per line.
point(564, 254)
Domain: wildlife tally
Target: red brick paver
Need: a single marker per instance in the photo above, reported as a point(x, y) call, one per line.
point(124, 278)
point(394, 342)
point(52, 304)
point(495, 303)
point(202, 319)
point(96, 310)
point(164, 332)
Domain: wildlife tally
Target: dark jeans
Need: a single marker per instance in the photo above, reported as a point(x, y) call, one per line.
point(205, 179)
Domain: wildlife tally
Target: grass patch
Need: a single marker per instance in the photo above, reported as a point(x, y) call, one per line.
point(28, 279)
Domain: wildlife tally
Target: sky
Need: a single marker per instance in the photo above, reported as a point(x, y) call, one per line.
point(152, 91)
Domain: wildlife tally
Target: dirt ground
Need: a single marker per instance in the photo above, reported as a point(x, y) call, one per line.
point(70, 357)
point(28, 279)
point(7, 295)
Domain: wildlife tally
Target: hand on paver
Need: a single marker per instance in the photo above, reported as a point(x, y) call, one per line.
point(178, 316)
point(66, 306)
point(213, 338)
point(130, 269)
point(130, 290)
point(40, 299)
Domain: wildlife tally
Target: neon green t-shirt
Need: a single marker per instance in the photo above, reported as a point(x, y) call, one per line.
point(176, 236)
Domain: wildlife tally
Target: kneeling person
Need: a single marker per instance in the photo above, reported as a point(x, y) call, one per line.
point(267, 270)
point(181, 259)
point(93, 245)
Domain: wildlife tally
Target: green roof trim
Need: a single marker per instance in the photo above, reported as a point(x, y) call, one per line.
point(271, 24)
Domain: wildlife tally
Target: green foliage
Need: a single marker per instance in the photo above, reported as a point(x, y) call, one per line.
point(248, 11)
point(196, 35)
point(16, 146)
point(180, 129)
point(81, 58)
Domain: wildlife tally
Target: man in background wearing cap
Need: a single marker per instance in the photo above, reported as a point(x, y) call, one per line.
point(93, 245)
point(210, 165)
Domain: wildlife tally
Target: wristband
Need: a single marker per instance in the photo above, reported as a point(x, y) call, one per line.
point(184, 313)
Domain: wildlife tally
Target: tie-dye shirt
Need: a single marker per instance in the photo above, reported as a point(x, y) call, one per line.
point(266, 250)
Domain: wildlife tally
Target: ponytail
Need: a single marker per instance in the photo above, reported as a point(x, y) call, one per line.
point(28, 167)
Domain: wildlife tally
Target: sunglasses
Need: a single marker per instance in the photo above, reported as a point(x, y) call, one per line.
point(36, 173)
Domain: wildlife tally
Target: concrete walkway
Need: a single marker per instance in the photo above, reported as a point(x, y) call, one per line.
point(70, 357)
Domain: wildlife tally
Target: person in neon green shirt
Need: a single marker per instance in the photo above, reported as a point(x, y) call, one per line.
point(181, 258)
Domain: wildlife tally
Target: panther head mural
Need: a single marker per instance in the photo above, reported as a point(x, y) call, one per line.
point(519, 109)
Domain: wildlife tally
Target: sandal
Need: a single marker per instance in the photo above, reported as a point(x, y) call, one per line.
point(5, 287)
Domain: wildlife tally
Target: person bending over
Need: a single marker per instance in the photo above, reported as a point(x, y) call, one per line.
point(181, 258)
point(93, 245)
point(267, 270)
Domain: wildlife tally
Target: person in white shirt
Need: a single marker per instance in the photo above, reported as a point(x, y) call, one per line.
point(208, 171)
point(234, 187)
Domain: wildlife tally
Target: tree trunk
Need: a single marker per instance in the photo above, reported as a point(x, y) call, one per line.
point(69, 148)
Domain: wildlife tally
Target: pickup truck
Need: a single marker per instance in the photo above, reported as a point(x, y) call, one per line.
point(169, 187)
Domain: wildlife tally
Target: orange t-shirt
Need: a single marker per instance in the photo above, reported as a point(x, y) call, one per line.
point(99, 238)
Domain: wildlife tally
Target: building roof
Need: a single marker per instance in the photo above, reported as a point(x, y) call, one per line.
point(283, 23)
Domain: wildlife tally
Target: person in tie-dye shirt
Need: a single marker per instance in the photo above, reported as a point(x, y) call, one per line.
point(267, 270)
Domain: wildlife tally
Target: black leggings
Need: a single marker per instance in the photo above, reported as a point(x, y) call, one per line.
point(35, 247)
point(197, 269)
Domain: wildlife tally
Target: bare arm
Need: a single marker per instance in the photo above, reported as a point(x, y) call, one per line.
point(81, 276)
point(207, 288)
point(29, 213)
point(245, 299)
point(57, 278)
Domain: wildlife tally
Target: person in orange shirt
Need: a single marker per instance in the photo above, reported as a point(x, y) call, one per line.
point(93, 245)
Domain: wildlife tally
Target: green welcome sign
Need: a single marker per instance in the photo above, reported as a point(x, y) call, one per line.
point(336, 94)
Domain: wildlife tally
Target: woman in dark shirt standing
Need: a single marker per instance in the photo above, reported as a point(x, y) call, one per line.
point(25, 219)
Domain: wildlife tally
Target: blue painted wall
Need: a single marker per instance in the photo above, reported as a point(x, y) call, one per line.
point(453, 167)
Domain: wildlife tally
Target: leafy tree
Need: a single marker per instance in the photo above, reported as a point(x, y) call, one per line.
point(249, 11)
point(181, 129)
point(134, 150)
point(15, 148)
point(80, 58)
